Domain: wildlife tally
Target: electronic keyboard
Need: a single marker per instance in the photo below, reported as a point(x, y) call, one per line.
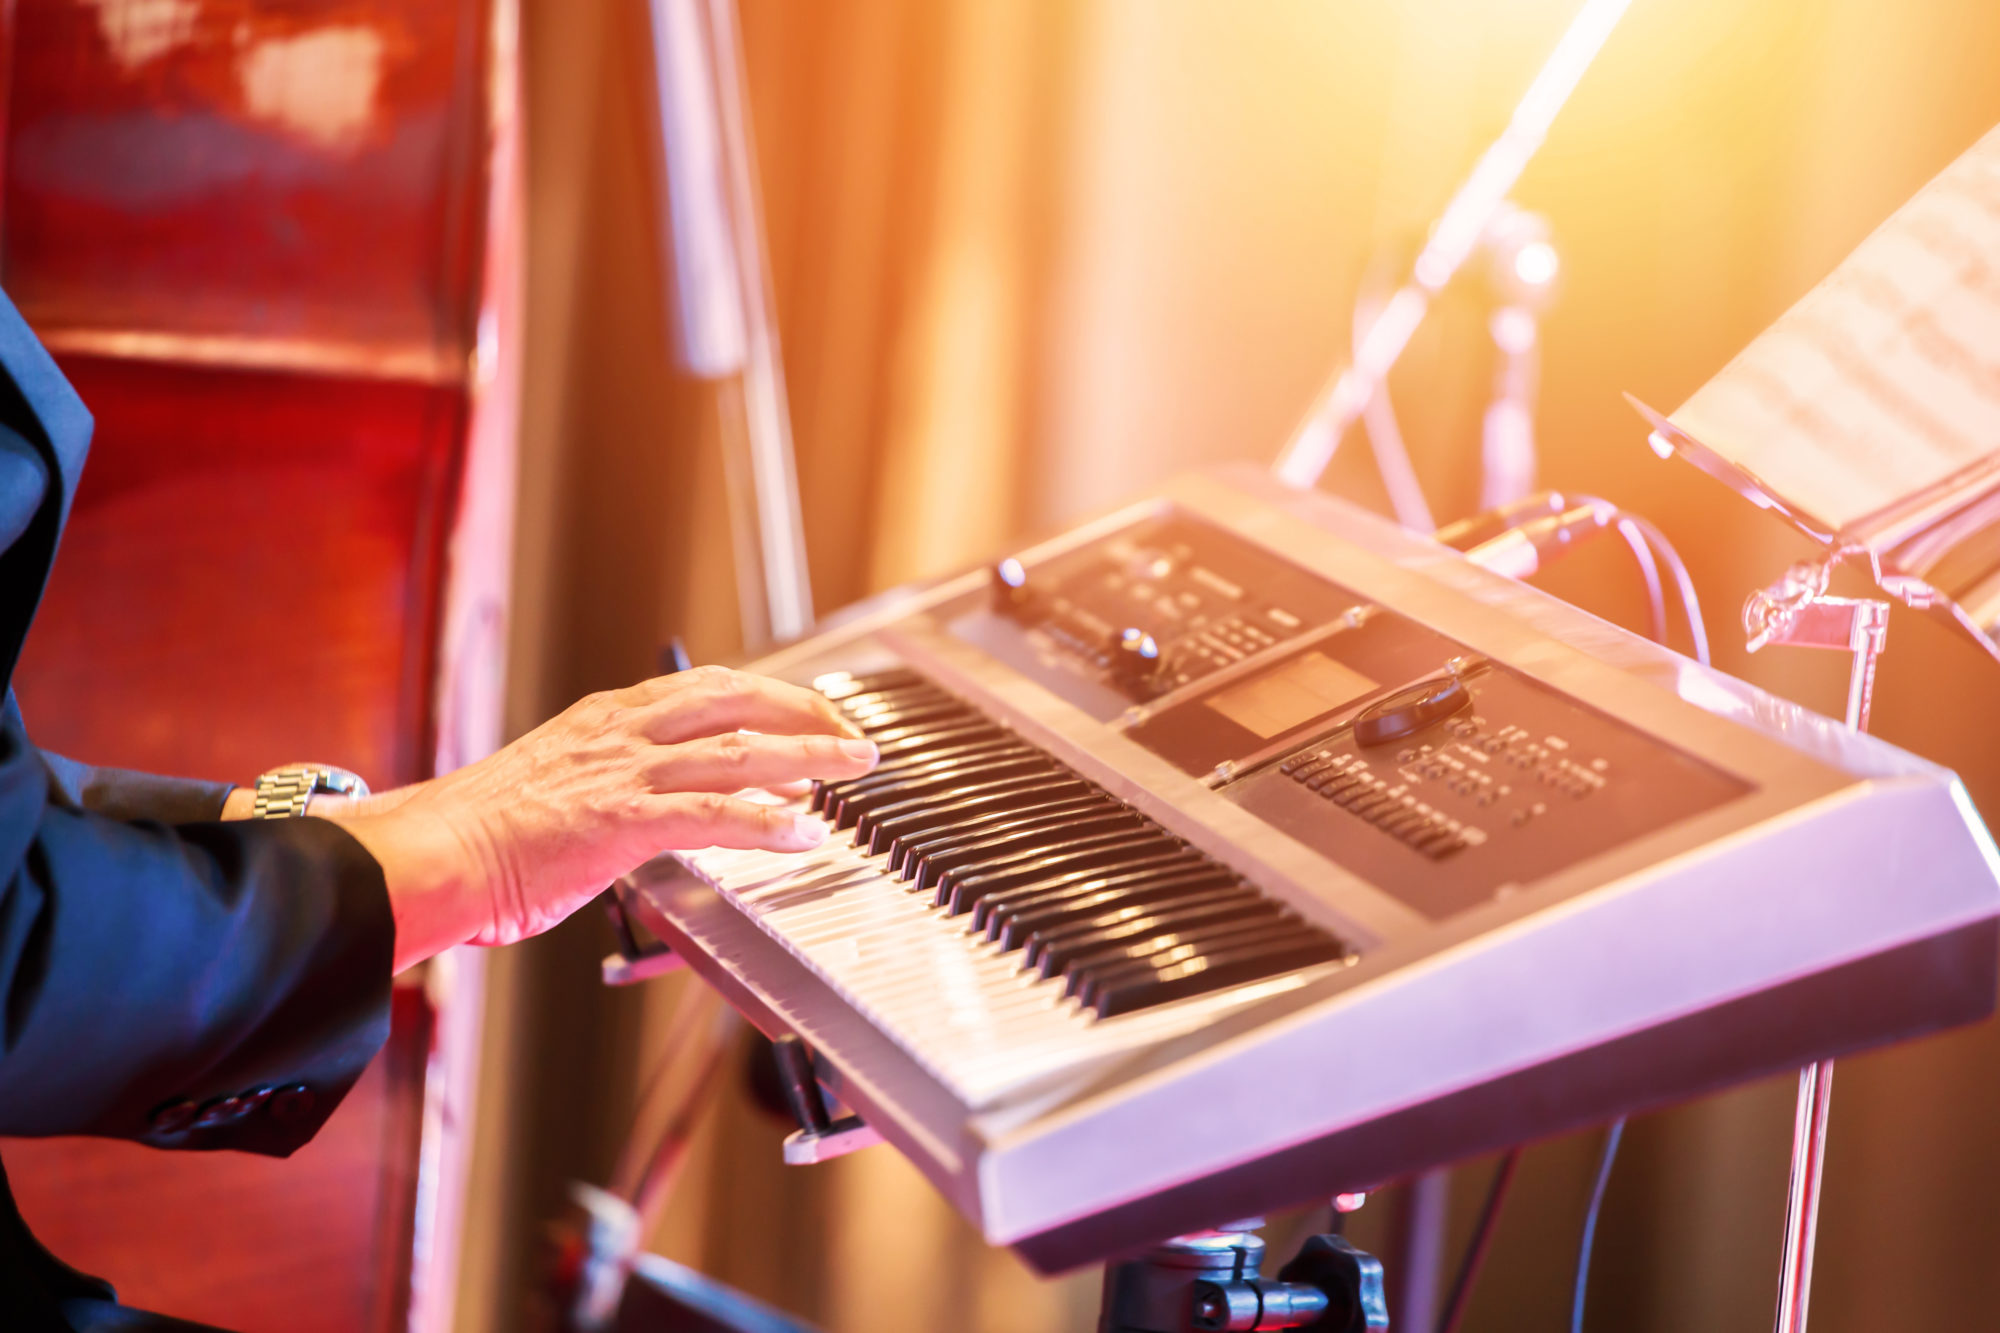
point(1240, 848)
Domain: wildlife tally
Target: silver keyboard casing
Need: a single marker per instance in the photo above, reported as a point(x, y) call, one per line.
point(1848, 900)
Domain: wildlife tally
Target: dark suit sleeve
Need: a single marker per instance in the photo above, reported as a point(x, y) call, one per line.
point(128, 795)
point(195, 985)
point(163, 977)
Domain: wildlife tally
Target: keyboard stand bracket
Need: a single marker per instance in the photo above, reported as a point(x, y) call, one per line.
point(847, 1134)
point(819, 1137)
point(637, 959)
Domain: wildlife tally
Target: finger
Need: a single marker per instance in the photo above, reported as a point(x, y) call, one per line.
point(789, 790)
point(740, 759)
point(714, 701)
point(690, 820)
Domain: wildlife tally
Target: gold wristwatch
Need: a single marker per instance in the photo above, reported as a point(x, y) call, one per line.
point(284, 793)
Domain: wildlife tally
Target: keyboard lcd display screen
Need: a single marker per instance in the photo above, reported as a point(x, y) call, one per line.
point(1292, 693)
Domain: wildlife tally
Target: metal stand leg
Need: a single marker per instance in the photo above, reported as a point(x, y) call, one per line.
point(1415, 1259)
point(1798, 610)
point(1802, 1205)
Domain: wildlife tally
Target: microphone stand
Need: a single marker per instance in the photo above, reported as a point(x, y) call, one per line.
point(1457, 233)
point(724, 326)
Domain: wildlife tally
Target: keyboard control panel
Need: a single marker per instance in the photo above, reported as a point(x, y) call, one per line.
point(1438, 775)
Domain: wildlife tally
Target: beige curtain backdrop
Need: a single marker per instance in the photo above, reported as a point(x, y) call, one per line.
point(1030, 255)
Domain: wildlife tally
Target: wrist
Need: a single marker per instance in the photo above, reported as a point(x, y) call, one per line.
point(434, 899)
point(424, 866)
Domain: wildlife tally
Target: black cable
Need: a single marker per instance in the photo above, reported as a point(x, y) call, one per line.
point(1475, 1249)
point(1605, 1158)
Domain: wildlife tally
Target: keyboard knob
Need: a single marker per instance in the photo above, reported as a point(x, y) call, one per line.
point(1357, 1298)
point(1008, 582)
point(1135, 662)
point(1409, 711)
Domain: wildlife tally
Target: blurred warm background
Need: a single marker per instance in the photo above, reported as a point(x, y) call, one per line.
point(1028, 257)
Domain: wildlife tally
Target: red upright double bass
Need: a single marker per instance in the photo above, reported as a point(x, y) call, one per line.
point(275, 246)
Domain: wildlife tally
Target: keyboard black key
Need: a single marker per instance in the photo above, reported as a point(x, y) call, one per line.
point(914, 758)
point(1066, 839)
point(1146, 986)
point(1013, 924)
point(927, 855)
point(916, 767)
point(911, 750)
point(908, 713)
point(842, 685)
point(848, 809)
point(1084, 887)
point(962, 893)
point(914, 740)
point(978, 849)
point(929, 816)
point(1088, 977)
point(999, 780)
point(1126, 921)
point(907, 740)
point(887, 702)
point(1049, 950)
point(1129, 864)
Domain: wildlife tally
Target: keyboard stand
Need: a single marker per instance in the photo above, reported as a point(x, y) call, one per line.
point(1210, 1280)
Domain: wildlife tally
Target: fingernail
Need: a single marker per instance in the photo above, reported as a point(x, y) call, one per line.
point(862, 750)
point(807, 831)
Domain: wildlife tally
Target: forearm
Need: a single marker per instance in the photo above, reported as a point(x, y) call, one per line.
point(508, 846)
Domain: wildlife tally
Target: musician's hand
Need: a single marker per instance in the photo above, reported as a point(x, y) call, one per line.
point(506, 847)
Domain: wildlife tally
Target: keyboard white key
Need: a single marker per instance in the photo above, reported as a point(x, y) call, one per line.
point(960, 1007)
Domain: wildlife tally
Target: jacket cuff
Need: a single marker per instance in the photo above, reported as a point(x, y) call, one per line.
point(122, 794)
point(271, 1093)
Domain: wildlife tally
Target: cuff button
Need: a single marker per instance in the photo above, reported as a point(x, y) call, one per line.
point(293, 1104)
point(221, 1111)
point(174, 1116)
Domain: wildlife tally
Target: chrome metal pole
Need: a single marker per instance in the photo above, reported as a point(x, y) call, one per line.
point(724, 323)
point(1802, 1205)
point(1867, 633)
point(1345, 397)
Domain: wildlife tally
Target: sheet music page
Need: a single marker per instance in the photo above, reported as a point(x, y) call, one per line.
point(1882, 386)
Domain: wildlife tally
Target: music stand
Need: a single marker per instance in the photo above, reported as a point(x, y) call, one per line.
point(1799, 610)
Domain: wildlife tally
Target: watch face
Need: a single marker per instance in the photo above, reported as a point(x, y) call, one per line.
point(342, 781)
